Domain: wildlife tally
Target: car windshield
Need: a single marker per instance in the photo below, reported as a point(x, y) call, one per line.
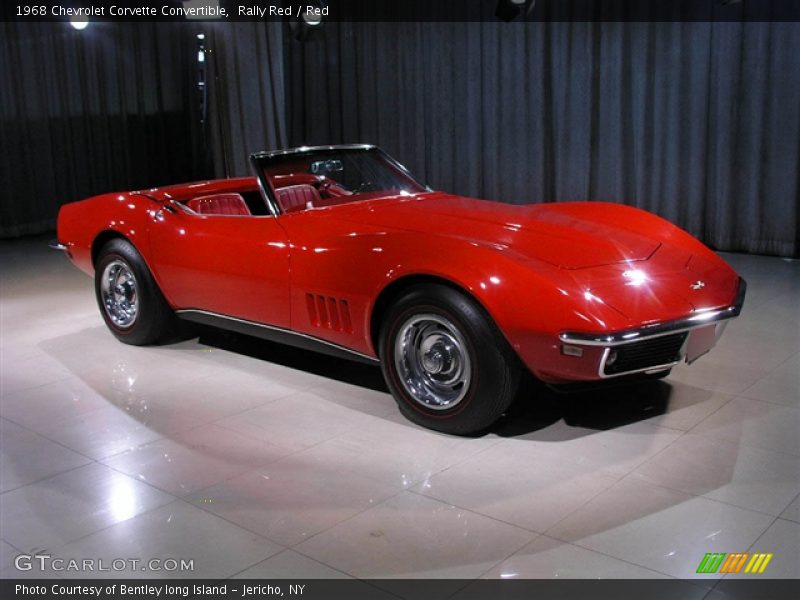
point(315, 177)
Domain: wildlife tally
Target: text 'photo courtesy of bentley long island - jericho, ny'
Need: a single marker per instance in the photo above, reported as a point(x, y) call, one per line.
point(340, 249)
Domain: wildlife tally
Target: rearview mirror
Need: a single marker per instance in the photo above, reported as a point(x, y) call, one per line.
point(322, 167)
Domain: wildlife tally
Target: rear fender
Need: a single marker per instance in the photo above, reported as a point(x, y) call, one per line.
point(80, 224)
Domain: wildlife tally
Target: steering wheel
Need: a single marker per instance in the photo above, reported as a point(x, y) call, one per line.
point(331, 189)
point(366, 186)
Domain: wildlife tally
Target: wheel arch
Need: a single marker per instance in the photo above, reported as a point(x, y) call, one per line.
point(398, 287)
point(105, 236)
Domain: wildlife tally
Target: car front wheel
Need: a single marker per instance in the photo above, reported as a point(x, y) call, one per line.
point(131, 304)
point(447, 365)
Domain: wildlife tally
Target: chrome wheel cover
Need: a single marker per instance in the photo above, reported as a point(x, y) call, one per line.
point(432, 361)
point(119, 294)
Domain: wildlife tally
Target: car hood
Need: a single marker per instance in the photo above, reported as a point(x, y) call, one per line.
point(571, 235)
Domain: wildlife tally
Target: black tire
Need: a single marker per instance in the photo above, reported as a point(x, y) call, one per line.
point(153, 319)
point(461, 331)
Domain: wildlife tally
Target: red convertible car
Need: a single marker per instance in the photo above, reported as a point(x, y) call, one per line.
point(340, 249)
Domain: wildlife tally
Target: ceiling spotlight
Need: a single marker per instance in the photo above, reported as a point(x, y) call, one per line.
point(313, 13)
point(310, 20)
point(79, 22)
point(507, 10)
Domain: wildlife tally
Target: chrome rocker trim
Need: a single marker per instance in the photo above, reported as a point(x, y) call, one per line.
point(629, 336)
point(273, 334)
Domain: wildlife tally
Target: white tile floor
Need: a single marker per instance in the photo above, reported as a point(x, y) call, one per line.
point(260, 461)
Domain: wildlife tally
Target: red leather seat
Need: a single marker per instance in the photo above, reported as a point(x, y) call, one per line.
point(220, 204)
point(297, 197)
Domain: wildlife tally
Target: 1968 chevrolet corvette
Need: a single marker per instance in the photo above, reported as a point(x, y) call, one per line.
point(340, 249)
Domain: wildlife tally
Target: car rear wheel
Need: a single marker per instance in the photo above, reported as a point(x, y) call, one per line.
point(447, 365)
point(132, 306)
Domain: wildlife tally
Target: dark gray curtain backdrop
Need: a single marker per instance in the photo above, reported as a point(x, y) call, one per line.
point(698, 122)
point(247, 109)
point(109, 108)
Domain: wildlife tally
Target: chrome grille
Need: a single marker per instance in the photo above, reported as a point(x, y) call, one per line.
point(645, 354)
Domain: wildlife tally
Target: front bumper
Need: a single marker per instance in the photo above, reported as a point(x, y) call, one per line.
point(659, 346)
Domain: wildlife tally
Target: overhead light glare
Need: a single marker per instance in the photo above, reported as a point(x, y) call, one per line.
point(635, 277)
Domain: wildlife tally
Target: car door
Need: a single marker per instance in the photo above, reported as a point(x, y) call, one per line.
point(235, 266)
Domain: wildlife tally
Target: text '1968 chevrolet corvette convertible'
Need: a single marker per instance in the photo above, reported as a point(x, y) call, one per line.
point(340, 249)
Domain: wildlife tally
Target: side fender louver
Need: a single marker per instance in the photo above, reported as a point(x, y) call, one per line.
point(329, 312)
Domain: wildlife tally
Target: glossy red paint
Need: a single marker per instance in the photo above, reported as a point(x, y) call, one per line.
point(538, 270)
